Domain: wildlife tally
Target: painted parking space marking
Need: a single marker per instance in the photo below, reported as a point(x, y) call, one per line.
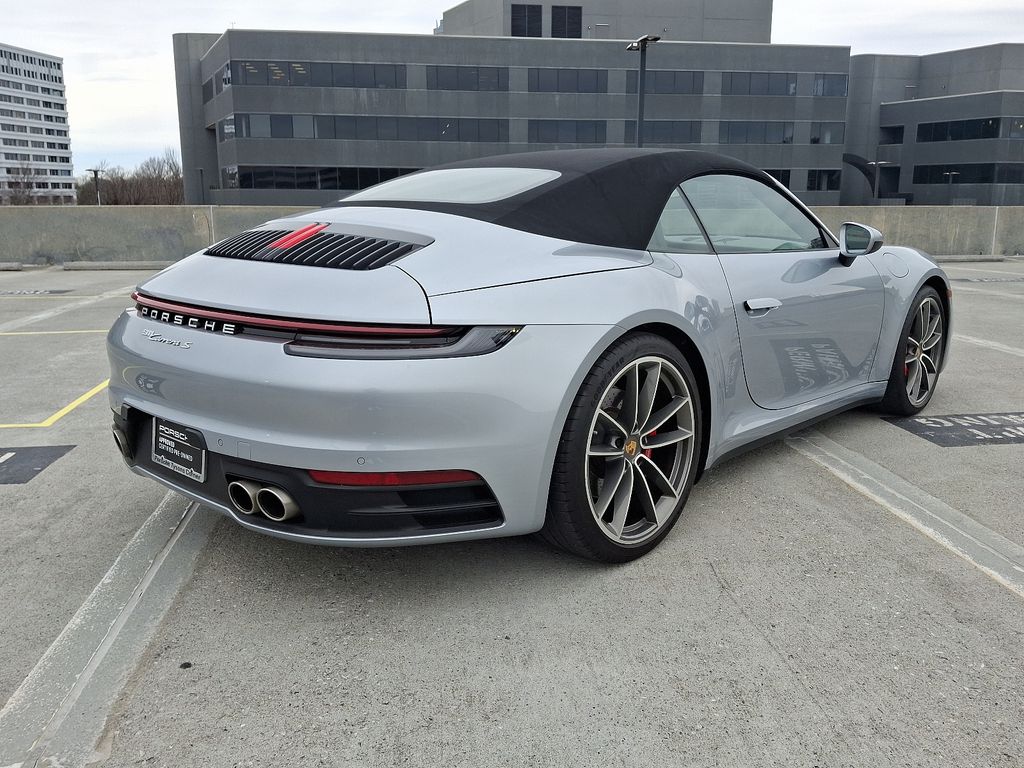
point(1015, 351)
point(983, 292)
point(19, 465)
point(21, 322)
point(967, 429)
point(58, 713)
point(948, 267)
point(993, 554)
point(988, 279)
point(49, 333)
point(36, 292)
point(53, 419)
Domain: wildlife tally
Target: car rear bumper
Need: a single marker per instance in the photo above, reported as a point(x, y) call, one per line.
point(270, 417)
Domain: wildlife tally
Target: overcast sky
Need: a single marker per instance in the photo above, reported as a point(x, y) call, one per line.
point(120, 76)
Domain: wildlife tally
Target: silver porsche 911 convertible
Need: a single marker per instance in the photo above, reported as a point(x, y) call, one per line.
point(558, 342)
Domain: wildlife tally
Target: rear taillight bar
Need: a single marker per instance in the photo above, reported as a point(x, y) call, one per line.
point(394, 479)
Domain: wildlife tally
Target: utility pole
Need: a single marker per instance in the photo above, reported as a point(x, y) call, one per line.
point(96, 182)
point(640, 44)
point(878, 172)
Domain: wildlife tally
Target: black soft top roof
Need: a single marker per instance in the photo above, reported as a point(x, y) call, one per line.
point(610, 197)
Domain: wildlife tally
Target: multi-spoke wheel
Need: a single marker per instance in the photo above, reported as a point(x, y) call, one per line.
point(628, 455)
point(915, 370)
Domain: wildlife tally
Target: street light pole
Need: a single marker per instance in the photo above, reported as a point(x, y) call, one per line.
point(878, 172)
point(96, 182)
point(949, 182)
point(202, 188)
point(640, 44)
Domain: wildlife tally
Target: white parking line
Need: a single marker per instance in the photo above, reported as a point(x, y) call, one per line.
point(948, 267)
point(58, 712)
point(989, 344)
point(21, 322)
point(991, 553)
point(6, 456)
point(1001, 294)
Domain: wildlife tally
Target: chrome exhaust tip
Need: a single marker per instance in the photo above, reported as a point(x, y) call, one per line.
point(122, 443)
point(243, 495)
point(276, 504)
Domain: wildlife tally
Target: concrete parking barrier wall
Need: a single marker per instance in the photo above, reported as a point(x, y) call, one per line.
point(57, 235)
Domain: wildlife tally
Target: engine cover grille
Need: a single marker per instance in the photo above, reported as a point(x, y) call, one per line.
point(313, 248)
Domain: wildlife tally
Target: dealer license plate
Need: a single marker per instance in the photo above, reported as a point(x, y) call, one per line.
point(181, 449)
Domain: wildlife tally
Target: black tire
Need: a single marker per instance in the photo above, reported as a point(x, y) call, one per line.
point(897, 400)
point(572, 521)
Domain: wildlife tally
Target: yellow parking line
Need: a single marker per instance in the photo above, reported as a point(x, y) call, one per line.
point(45, 333)
point(63, 411)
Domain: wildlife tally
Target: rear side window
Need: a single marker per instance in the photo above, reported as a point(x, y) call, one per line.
point(677, 230)
point(458, 185)
point(743, 215)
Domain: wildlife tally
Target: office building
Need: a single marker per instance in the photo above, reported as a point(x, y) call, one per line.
point(280, 117)
point(35, 167)
point(946, 128)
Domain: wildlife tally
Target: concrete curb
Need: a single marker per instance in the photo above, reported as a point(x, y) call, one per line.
point(10, 266)
point(80, 266)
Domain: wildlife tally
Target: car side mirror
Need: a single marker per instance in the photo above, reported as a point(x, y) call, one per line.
point(857, 240)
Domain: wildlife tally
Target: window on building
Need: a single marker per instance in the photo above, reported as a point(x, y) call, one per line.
point(830, 85)
point(544, 80)
point(306, 177)
point(452, 78)
point(526, 20)
point(823, 180)
point(567, 132)
point(759, 83)
point(890, 134)
point(566, 21)
point(828, 133)
point(755, 132)
point(959, 130)
point(665, 132)
point(667, 81)
point(208, 91)
point(1016, 127)
point(781, 175)
point(962, 173)
point(318, 74)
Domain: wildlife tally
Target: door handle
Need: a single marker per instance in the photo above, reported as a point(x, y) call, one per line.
point(759, 307)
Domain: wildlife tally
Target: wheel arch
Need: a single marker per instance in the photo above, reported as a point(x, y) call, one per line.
point(689, 350)
point(942, 288)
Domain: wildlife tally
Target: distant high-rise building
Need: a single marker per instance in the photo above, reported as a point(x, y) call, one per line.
point(35, 150)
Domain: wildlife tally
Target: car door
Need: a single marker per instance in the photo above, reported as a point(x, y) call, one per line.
point(808, 322)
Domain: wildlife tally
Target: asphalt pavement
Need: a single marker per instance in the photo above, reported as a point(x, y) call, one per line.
point(853, 596)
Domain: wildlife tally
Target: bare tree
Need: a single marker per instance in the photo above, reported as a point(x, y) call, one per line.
point(155, 181)
point(21, 182)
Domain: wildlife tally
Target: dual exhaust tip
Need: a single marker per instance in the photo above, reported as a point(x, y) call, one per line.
point(273, 503)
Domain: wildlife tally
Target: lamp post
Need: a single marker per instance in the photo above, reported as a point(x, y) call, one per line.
point(949, 182)
point(640, 44)
point(202, 188)
point(878, 172)
point(96, 182)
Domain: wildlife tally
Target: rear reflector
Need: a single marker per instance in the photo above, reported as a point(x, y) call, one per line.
point(394, 479)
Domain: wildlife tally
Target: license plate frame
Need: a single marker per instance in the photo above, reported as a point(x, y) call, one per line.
point(179, 448)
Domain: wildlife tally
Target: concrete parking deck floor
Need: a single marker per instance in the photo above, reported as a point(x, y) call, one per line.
point(794, 617)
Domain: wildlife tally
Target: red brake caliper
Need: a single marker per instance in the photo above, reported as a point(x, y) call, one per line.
point(649, 451)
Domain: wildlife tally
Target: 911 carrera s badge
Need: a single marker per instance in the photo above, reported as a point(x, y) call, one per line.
point(158, 337)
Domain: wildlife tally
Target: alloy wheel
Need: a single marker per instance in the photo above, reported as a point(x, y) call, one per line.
point(640, 449)
point(923, 352)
